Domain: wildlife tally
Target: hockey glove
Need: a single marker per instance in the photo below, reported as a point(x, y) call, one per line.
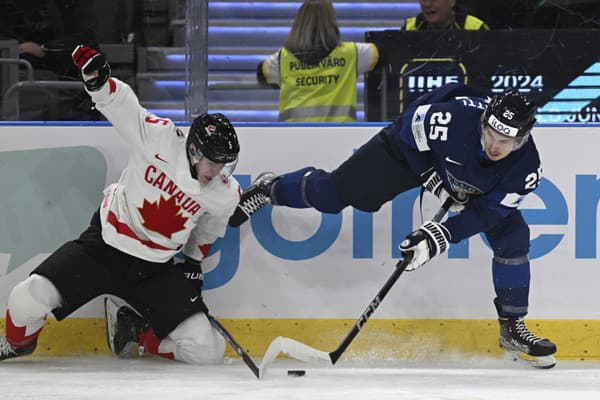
point(433, 183)
point(428, 241)
point(93, 67)
point(192, 269)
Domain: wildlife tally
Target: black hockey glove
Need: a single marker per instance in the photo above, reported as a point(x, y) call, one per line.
point(92, 66)
point(428, 241)
point(433, 183)
point(192, 269)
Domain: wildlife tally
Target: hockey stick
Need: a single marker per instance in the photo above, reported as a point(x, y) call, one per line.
point(300, 351)
point(238, 349)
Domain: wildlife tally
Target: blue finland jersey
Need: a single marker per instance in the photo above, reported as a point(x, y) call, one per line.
point(446, 136)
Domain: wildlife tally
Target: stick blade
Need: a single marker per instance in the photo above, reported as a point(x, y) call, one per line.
point(300, 351)
point(270, 355)
point(294, 349)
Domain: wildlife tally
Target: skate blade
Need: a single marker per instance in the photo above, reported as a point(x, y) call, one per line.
point(542, 362)
point(131, 350)
point(110, 314)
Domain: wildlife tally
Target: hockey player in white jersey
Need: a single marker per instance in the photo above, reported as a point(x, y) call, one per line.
point(176, 194)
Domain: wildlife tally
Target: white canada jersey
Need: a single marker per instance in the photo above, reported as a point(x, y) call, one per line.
point(156, 208)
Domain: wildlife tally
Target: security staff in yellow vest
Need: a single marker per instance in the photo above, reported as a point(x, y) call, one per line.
point(315, 71)
point(440, 14)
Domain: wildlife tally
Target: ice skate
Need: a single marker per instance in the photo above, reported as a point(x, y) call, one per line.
point(8, 351)
point(523, 346)
point(123, 328)
point(254, 198)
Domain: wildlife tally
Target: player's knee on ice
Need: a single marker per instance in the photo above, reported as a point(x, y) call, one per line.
point(196, 341)
point(32, 299)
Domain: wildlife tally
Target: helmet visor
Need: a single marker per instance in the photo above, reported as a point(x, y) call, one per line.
point(195, 155)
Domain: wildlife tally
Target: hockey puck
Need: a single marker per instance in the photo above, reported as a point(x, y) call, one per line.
point(296, 372)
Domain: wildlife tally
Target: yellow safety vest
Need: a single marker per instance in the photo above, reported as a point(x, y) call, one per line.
point(325, 92)
point(470, 23)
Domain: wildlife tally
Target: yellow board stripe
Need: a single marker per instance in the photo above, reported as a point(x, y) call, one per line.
point(381, 339)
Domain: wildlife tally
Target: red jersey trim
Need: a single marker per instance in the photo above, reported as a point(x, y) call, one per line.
point(204, 249)
point(112, 86)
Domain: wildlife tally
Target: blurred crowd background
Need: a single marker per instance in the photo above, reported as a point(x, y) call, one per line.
point(146, 43)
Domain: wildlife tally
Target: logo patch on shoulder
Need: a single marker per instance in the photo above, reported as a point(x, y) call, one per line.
point(418, 127)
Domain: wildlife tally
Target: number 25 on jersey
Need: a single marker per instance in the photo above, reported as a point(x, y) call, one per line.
point(437, 125)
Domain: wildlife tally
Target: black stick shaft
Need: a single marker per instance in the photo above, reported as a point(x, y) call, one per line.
point(400, 267)
point(238, 349)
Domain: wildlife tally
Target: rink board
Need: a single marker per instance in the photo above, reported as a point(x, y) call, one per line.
point(424, 340)
point(305, 274)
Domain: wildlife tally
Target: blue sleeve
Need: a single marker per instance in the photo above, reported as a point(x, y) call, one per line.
point(481, 214)
point(434, 111)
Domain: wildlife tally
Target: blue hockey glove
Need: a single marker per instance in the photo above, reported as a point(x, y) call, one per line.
point(192, 269)
point(428, 241)
point(433, 183)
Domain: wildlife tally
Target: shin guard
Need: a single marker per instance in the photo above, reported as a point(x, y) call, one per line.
point(511, 283)
point(306, 188)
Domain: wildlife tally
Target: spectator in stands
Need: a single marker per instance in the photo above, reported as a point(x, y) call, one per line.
point(315, 71)
point(47, 32)
point(440, 14)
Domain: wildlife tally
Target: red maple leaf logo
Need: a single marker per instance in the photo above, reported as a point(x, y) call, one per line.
point(163, 216)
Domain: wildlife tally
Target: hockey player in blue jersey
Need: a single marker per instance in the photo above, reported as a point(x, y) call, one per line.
point(456, 142)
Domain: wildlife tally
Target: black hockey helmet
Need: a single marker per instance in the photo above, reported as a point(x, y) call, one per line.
point(212, 136)
point(511, 114)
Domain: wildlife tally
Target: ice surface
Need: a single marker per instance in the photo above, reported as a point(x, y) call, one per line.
point(103, 378)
